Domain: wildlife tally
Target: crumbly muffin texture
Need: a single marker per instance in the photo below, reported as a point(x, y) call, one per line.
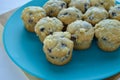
point(82, 34)
point(82, 5)
point(58, 48)
point(31, 15)
point(53, 7)
point(62, 34)
point(108, 34)
point(95, 14)
point(114, 12)
point(46, 26)
point(103, 3)
point(69, 15)
point(64, 25)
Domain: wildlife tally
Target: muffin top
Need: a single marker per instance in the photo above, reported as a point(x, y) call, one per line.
point(114, 12)
point(53, 7)
point(95, 14)
point(108, 29)
point(47, 25)
point(33, 14)
point(80, 30)
point(69, 15)
point(58, 44)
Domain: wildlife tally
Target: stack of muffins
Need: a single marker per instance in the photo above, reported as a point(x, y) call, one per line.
point(64, 25)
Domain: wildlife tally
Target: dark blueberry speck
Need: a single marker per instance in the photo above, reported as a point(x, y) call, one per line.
point(51, 33)
point(50, 13)
point(49, 50)
point(42, 29)
point(103, 38)
point(91, 18)
point(73, 38)
point(86, 6)
point(101, 3)
point(65, 13)
point(30, 20)
point(52, 57)
point(68, 52)
point(62, 5)
point(63, 45)
point(114, 14)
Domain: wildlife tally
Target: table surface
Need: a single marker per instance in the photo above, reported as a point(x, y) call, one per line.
point(8, 70)
point(8, 67)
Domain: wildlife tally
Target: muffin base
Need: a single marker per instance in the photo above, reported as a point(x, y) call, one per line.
point(41, 38)
point(29, 28)
point(82, 45)
point(56, 62)
point(105, 46)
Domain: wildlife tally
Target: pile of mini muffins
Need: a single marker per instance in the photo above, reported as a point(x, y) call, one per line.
point(64, 25)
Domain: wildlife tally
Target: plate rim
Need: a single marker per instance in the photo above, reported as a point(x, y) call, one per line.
point(30, 72)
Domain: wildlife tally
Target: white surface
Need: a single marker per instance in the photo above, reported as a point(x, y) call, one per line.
point(8, 70)
point(118, 78)
point(7, 5)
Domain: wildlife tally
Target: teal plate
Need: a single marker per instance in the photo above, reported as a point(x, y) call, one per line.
point(25, 49)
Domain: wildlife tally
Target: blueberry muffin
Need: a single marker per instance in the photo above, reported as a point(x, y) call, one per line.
point(108, 34)
point(82, 5)
point(31, 15)
point(82, 34)
point(103, 3)
point(46, 26)
point(95, 14)
point(53, 7)
point(58, 48)
point(69, 15)
point(114, 12)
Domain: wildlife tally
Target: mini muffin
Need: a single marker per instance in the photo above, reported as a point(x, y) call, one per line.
point(31, 15)
point(69, 15)
point(108, 34)
point(114, 12)
point(103, 3)
point(53, 7)
point(95, 14)
point(58, 48)
point(82, 34)
point(82, 5)
point(46, 26)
